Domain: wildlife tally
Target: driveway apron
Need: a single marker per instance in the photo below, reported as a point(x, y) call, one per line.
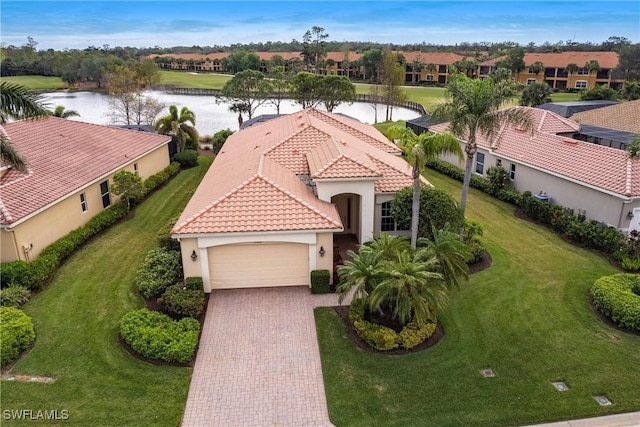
point(258, 363)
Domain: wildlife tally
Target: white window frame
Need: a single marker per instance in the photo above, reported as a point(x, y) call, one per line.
point(582, 84)
point(429, 77)
point(479, 163)
point(83, 202)
point(386, 206)
point(583, 72)
point(531, 81)
point(512, 172)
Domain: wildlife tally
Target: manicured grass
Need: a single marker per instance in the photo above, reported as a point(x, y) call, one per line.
point(76, 320)
point(191, 80)
point(565, 96)
point(527, 317)
point(36, 82)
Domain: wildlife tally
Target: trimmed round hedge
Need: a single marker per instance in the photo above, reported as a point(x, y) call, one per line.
point(156, 336)
point(384, 338)
point(617, 297)
point(16, 334)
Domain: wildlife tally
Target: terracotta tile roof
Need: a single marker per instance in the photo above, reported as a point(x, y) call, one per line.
point(254, 184)
point(560, 60)
point(437, 58)
point(65, 156)
point(564, 156)
point(334, 159)
point(624, 116)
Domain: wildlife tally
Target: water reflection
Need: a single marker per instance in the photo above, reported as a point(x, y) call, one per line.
point(211, 115)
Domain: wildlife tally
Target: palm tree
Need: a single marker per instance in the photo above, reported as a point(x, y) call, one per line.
point(178, 126)
point(571, 69)
point(363, 272)
point(451, 253)
point(239, 107)
point(17, 102)
point(634, 148)
point(419, 149)
point(536, 67)
point(61, 112)
point(474, 108)
point(411, 289)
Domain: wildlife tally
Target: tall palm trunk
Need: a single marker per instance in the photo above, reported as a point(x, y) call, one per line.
point(415, 206)
point(471, 150)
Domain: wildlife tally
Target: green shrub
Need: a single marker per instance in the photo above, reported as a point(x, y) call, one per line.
point(179, 301)
point(156, 181)
point(219, 138)
point(16, 334)
point(163, 236)
point(194, 283)
point(615, 298)
point(631, 264)
point(477, 252)
point(156, 336)
point(320, 281)
point(161, 269)
point(497, 177)
point(437, 209)
point(186, 158)
point(14, 296)
point(383, 338)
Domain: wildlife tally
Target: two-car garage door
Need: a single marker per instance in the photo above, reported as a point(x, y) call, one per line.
point(256, 265)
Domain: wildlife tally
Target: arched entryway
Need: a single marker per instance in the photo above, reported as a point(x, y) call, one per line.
point(348, 205)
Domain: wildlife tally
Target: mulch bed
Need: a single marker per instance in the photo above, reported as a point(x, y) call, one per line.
point(343, 312)
point(481, 265)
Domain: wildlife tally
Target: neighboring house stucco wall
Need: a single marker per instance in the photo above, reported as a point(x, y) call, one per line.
point(599, 205)
point(45, 227)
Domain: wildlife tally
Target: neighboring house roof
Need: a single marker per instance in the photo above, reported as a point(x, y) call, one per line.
point(258, 119)
point(606, 60)
point(596, 165)
point(624, 116)
point(262, 178)
point(64, 156)
point(569, 108)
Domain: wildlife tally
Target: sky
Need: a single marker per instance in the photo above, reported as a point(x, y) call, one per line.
point(80, 24)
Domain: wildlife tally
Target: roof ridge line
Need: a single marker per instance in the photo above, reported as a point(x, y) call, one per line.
point(628, 186)
point(5, 212)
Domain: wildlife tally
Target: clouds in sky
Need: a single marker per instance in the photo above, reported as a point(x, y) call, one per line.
point(78, 24)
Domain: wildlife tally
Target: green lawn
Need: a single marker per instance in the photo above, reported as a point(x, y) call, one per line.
point(565, 96)
point(36, 82)
point(191, 80)
point(527, 317)
point(76, 320)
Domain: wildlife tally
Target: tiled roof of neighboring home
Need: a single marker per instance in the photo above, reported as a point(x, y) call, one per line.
point(437, 58)
point(624, 116)
point(596, 165)
point(254, 183)
point(562, 59)
point(65, 156)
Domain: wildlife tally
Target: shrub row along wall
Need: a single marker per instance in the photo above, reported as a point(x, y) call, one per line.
point(35, 274)
point(565, 221)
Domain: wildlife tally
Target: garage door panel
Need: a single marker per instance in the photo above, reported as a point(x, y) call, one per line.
point(258, 265)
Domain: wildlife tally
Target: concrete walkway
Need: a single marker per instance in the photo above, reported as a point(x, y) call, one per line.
point(258, 363)
point(631, 419)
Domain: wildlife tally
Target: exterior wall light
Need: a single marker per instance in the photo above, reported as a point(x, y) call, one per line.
point(630, 214)
point(322, 251)
point(194, 255)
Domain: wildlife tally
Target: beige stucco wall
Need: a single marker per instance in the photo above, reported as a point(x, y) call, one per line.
point(8, 246)
point(66, 215)
point(190, 267)
point(324, 240)
point(377, 220)
point(598, 205)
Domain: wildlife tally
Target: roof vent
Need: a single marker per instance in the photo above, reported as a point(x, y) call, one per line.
point(301, 123)
point(343, 142)
point(570, 141)
point(519, 129)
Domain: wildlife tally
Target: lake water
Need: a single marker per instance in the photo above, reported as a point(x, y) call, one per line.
point(211, 114)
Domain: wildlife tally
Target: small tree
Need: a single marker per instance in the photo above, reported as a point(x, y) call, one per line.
point(248, 88)
point(219, 138)
point(306, 89)
point(129, 185)
point(600, 92)
point(535, 94)
point(571, 69)
point(336, 90)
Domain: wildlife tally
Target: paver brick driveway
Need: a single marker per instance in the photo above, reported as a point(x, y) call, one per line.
point(258, 363)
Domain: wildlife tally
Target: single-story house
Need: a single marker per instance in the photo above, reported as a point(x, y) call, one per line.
point(70, 169)
point(569, 108)
point(624, 116)
point(267, 210)
point(580, 175)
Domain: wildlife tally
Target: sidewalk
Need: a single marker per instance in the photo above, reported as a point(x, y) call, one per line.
point(631, 419)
